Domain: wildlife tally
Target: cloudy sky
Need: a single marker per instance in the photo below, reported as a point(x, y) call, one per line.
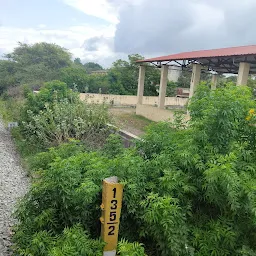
point(104, 30)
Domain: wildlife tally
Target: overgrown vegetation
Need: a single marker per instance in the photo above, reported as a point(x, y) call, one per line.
point(33, 65)
point(53, 116)
point(188, 189)
point(56, 114)
point(36, 64)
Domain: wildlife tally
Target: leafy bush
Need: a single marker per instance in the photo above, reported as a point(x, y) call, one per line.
point(187, 191)
point(130, 249)
point(55, 114)
point(221, 114)
point(113, 145)
point(72, 242)
point(10, 109)
point(64, 120)
point(51, 92)
point(43, 160)
point(75, 77)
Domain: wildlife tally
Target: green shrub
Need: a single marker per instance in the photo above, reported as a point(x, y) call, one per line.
point(65, 120)
point(51, 92)
point(10, 109)
point(220, 114)
point(186, 191)
point(130, 249)
point(42, 160)
point(75, 77)
point(72, 241)
point(55, 115)
point(113, 145)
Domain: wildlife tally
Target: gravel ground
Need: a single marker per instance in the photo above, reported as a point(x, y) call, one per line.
point(13, 185)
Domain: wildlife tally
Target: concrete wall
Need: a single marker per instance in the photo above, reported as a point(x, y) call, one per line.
point(156, 114)
point(127, 100)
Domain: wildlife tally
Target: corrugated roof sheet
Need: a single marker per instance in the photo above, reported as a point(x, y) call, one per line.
point(231, 51)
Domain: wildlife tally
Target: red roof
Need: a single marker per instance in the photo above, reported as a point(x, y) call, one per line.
point(223, 52)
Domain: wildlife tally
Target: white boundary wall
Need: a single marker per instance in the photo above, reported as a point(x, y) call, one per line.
point(130, 100)
point(156, 114)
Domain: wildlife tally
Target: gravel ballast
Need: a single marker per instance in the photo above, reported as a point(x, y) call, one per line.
point(13, 185)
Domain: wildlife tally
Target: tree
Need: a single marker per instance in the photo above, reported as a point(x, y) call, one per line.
point(77, 61)
point(92, 66)
point(51, 55)
point(75, 77)
point(8, 74)
point(124, 75)
point(98, 83)
point(185, 78)
point(39, 62)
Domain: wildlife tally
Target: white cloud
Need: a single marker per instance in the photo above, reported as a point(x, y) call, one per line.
point(104, 57)
point(72, 38)
point(75, 38)
point(107, 10)
point(98, 8)
point(42, 26)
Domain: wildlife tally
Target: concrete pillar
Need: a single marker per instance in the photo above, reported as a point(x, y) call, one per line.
point(195, 78)
point(141, 83)
point(214, 81)
point(243, 73)
point(163, 85)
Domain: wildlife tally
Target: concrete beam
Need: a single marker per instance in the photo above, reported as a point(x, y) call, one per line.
point(163, 85)
point(214, 81)
point(243, 73)
point(141, 83)
point(195, 78)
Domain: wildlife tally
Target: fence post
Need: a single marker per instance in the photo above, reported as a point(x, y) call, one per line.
point(112, 194)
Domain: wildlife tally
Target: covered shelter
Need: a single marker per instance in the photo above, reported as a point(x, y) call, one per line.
point(234, 60)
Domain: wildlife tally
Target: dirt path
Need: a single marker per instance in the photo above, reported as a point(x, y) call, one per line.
point(126, 119)
point(13, 184)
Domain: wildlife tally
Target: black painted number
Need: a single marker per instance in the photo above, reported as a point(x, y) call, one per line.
point(112, 229)
point(114, 204)
point(114, 191)
point(112, 216)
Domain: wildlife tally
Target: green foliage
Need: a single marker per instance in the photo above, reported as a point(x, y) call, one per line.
point(8, 74)
point(64, 120)
point(221, 114)
point(36, 64)
point(43, 160)
point(130, 249)
point(75, 77)
point(78, 61)
point(166, 224)
point(171, 89)
point(53, 91)
point(124, 77)
point(187, 190)
point(98, 83)
point(10, 109)
point(74, 241)
point(52, 55)
point(33, 64)
point(92, 66)
point(113, 145)
point(185, 78)
point(55, 114)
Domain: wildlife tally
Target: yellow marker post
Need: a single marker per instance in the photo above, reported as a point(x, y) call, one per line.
point(112, 194)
